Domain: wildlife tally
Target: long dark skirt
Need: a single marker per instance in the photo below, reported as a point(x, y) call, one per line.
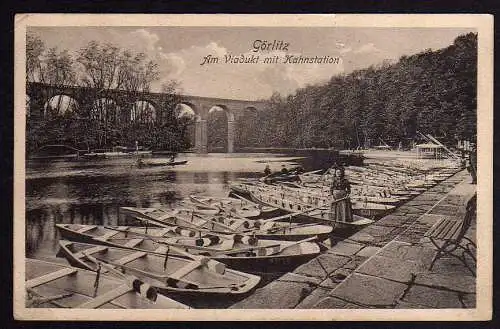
point(341, 211)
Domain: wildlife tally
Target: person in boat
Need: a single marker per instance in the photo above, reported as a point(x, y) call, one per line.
point(267, 170)
point(172, 157)
point(284, 171)
point(340, 190)
point(140, 163)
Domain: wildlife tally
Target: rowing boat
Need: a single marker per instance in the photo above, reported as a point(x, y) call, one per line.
point(244, 253)
point(53, 285)
point(276, 228)
point(228, 205)
point(313, 206)
point(161, 164)
point(186, 280)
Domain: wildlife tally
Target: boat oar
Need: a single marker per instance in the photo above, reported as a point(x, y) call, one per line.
point(38, 299)
point(293, 244)
point(298, 213)
point(167, 279)
point(215, 206)
point(144, 289)
point(259, 250)
point(211, 264)
point(246, 200)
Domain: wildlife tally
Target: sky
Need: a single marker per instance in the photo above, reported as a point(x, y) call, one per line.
point(179, 51)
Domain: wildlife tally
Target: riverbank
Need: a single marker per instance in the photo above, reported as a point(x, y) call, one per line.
point(384, 265)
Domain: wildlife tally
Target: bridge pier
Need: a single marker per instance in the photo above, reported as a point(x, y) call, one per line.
point(231, 127)
point(201, 136)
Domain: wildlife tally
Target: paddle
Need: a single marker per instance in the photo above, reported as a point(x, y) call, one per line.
point(162, 278)
point(214, 265)
point(254, 248)
point(299, 212)
point(294, 244)
point(144, 289)
point(215, 206)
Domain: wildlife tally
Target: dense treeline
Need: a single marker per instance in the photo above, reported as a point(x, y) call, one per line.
point(433, 92)
point(102, 67)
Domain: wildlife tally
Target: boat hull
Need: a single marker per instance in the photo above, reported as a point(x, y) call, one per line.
point(252, 264)
point(79, 289)
point(189, 296)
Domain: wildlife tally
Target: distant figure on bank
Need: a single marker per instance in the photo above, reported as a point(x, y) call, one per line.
point(267, 171)
point(284, 171)
point(472, 165)
point(340, 190)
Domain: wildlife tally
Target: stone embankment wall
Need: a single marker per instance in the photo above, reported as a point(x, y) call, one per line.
point(383, 265)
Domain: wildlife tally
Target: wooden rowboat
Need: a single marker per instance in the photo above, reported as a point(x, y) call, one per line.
point(52, 285)
point(273, 228)
point(161, 164)
point(186, 280)
point(243, 253)
point(228, 205)
point(315, 208)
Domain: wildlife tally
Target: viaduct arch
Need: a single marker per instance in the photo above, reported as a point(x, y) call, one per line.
point(40, 93)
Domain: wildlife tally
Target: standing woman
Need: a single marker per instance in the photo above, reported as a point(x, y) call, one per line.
point(340, 189)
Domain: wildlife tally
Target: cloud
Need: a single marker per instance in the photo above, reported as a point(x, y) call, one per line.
point(244, 81)
point(225, 80)
point(367, 48)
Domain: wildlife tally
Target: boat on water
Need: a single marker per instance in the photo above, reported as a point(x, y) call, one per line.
point(53, 285)
point(160, 164)
point(312, 206)
point(244, 253)
point(186, 280)
point(272, 228)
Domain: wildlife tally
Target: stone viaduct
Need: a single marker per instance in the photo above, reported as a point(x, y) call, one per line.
point(39, 94)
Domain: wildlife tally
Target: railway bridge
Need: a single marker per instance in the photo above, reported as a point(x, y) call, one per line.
point(39, 94)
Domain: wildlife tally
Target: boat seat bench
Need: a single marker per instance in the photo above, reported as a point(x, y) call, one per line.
point(130, 258)
point(107, 297)
point(90, 251)
point(49, 277)
point(133, 242)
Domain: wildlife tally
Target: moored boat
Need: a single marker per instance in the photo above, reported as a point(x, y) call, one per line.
point(312, 206)
point(245, 253)
point(273, 228)
point(148, 164)
point(186, 280)
point(228, 205)
point(53, 285)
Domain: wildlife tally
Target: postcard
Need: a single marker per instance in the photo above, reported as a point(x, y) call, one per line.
point(253, 167)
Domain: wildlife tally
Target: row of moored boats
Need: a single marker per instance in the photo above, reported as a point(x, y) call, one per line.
point(214, 248)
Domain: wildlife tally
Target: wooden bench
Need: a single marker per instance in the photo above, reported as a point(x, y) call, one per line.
point(448, 234)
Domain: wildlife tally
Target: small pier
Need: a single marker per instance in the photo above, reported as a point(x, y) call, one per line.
point(384, 265)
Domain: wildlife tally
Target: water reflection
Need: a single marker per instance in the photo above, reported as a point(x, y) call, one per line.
point(91, 192)
point(81, 199)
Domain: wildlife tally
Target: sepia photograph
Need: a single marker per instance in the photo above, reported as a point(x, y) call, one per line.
point(258, 167)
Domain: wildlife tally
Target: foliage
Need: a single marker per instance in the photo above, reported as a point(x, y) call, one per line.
point(433, 92)
point(102, 122)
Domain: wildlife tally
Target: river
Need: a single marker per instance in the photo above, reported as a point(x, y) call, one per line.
point(92, 191)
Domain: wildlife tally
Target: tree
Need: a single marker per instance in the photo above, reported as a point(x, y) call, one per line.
point(432, 92)
point(34, 51)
